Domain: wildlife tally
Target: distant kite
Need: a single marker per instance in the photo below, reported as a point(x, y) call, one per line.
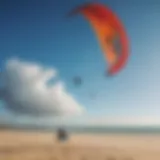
point(110, 32)
point(77, 80)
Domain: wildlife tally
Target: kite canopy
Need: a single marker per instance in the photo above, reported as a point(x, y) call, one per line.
point(110, 33)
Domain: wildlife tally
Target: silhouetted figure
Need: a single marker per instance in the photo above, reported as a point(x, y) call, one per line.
point(62, 135)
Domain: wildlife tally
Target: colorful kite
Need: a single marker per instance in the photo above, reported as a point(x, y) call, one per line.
point(110, 32)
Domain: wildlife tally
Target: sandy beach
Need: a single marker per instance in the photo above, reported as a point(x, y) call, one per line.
point(43, 146)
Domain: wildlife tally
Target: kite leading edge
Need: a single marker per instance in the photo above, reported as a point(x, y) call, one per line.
point(110, 32)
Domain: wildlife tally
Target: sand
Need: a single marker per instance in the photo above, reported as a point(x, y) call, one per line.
point(43, 146)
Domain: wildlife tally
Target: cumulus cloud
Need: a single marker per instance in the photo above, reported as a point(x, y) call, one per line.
point(26, 89)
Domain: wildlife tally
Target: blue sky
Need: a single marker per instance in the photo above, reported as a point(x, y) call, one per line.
point(38, 31)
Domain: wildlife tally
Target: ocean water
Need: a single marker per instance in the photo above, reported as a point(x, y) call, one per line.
point(90, 129)
point(116, 130)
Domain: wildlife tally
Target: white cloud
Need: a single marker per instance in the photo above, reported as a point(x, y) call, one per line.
point(26, 90)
